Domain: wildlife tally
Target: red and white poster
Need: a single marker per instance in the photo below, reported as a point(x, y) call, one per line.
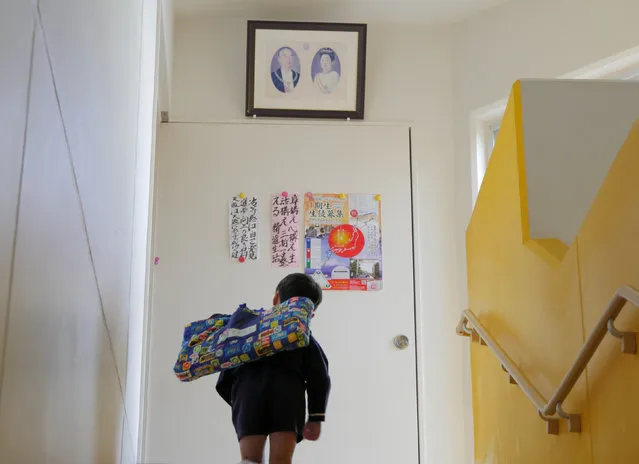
point(343, 240)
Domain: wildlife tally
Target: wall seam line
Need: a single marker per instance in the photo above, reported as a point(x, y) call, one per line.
point(583, 340)
point(4, 346)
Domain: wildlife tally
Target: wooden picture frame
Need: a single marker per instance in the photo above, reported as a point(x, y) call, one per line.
point(305, 70)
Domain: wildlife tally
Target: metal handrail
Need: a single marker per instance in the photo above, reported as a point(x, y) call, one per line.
point(551, 410)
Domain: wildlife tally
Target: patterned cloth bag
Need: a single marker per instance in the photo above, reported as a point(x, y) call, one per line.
point(227, 341)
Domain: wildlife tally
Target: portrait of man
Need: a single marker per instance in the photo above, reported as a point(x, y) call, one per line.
point(285, 70)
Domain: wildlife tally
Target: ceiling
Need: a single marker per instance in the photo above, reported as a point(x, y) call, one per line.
point(412, 11)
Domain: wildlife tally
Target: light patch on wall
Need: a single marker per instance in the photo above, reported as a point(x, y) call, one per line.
point(567, 124)
point(490, 457)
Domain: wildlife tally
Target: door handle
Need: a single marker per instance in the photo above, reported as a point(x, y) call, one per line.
point(401, 342)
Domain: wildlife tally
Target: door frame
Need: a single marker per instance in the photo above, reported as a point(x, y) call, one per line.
point(420, 368)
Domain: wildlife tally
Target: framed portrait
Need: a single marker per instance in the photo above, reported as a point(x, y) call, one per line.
point(305, 70)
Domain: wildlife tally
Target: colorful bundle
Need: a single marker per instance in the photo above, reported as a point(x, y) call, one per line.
point(227, 341)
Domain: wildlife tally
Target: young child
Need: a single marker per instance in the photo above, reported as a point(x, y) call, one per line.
point(268, 397)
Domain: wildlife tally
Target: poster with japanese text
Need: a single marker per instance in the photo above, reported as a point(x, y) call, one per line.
point(285, 230)
point(243, 228)
point(343, 241)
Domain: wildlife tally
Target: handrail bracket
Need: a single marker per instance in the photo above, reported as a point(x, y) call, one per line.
point(628, 339)
point(552, 424)
point(574, 420)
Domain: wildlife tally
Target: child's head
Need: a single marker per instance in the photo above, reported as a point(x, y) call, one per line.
point(298, 285)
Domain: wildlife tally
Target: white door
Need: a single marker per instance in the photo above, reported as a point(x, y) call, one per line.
point(372, 413)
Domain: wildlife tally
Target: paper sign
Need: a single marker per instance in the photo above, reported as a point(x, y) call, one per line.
point(343, 237)
point(243, 228)
point(285, 230)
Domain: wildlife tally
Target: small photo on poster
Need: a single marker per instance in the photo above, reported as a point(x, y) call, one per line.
point(343, 241)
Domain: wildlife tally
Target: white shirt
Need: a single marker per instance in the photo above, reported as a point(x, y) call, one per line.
point(326, 82)
point(287, 78)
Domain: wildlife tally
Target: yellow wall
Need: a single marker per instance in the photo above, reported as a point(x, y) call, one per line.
point(609, 257)
point(528, 294)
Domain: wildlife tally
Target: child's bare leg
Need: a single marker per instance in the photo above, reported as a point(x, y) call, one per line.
point(252, 448)
point(282, 446)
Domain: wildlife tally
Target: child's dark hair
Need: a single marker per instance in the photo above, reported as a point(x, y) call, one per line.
point(299, 285)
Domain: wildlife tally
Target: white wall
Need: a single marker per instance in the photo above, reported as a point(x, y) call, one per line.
point(408, 79)
point(573, 130)
point(65, 350)
point(525, 39)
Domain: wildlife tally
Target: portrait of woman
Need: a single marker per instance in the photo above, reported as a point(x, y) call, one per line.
point(326, 70)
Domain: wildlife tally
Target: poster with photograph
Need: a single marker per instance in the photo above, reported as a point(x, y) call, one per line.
point(343, 240)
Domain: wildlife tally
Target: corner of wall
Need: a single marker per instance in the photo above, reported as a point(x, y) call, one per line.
point(165, 67)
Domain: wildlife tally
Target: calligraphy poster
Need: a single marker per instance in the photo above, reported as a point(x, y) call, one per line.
point(243, 228)
point(343, 241)
point(285, 230)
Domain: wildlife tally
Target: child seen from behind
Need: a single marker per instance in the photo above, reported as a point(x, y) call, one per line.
point(268, 397)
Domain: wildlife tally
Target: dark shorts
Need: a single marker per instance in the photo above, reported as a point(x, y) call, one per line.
point(268, 400)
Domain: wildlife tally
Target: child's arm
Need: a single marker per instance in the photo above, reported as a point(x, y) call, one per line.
point(318, 386)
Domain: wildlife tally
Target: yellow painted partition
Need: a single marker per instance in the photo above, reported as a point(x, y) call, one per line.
point(538, 299)
point(530, 304)
point(609, 257)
